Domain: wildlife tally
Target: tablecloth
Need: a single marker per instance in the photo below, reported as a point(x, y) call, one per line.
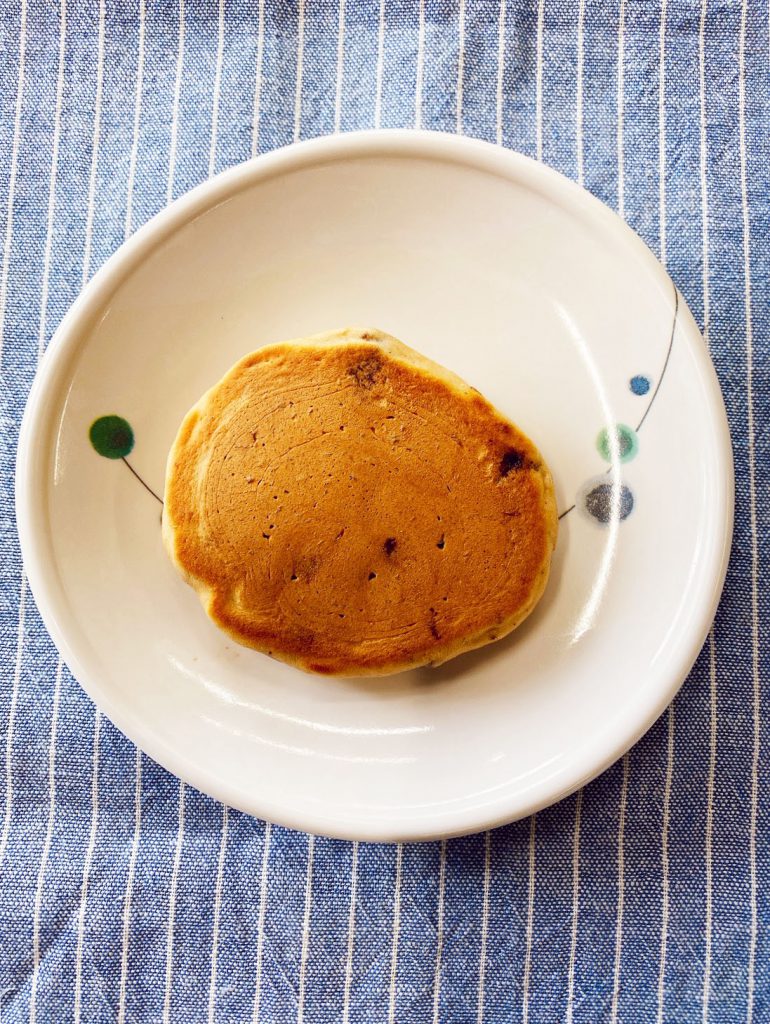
point(125, 896)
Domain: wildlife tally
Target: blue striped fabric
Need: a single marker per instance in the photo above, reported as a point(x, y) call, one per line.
point(644, 898)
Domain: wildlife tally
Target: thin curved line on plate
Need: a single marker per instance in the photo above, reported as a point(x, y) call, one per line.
point(566, 512)
point(665, 364)
point(146, 486)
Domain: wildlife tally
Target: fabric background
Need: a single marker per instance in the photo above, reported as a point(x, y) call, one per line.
point(643, 898)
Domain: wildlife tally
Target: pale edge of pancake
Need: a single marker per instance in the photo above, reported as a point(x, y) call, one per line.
point(400, 352)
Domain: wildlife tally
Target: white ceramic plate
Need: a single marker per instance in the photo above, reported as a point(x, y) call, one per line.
point(536, 294)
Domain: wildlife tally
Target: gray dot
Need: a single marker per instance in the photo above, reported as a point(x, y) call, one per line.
point(606, 500)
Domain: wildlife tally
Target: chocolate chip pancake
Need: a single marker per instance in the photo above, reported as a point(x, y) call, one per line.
point(346, 505)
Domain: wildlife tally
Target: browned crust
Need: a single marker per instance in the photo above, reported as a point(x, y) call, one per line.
point(406, 523)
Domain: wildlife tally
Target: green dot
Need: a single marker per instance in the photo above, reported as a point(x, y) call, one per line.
point(624, 439)
point(111, 436)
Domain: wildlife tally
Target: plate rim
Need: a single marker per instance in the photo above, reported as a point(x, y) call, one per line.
point(34, 455)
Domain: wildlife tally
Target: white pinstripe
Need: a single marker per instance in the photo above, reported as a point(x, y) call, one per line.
point(217, 913)
point(380, 66)
point(662, 130)
point(460, 65)
point(703, 179)
point(712, 640)
point(46, 846)
point(126, 933)
point(530, 921)
point(3, 307)
point(579, 91)
point(137, 121)
point(41, 335)
point(664, 863)
point(130, 887)
point(439, 930)
point(87, 866)
point(420, 66)
point(172, 907)
point(89, 230)
point(710, 825)
point(757, 708)
point(670, 712)
point(258, 80)
point(217, 88)
point(340, 67)
point(261, 921)
point(575, 908)
point(396, 928)
point(621, 889)
point(484, 925)
point(300, 61)
point(626, 758)
point(175, 108)
point(12, 718)
point(539, 80)
point(621, 105)
point(305, 930)
point(88, 241)
point(351, 934)
point(13, 171)
point(500, 71)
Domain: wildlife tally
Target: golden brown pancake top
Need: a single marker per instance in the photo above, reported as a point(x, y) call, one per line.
point(347, 505)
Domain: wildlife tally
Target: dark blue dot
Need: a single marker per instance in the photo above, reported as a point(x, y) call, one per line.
point(639, 385)
point(603, 502)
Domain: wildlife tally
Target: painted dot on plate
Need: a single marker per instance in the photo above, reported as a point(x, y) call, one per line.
point(625, 438)
point(640, 385)
point(607, 501)
point(111, 436)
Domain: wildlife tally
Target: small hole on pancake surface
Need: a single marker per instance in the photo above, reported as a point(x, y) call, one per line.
point(441, 543)
point(266, 536)
point(372, 575)
point(341, 615)
point(294, 577)
point(390, 545)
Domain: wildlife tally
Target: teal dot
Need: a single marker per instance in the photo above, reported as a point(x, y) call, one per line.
point(626, 439)
point(639, 384)
point(111, 436)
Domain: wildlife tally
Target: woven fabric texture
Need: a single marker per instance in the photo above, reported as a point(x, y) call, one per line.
point(644, 898)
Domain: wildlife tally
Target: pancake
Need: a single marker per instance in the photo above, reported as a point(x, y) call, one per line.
point(344, 504)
